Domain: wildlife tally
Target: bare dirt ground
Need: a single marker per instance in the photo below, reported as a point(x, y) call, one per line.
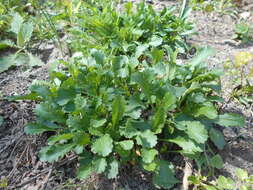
point(19, 163)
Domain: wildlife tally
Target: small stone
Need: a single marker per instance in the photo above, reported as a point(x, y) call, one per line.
point(245, 15)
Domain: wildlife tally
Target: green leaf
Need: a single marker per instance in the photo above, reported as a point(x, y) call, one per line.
point(6, 62)
point(186, 144)
point(158, 120)
point(20, 39)
point(225, 183)
point(30, 96)
point(103, 145)
point(134, 114)
point(149, 167)
point(230, 120)
point(216, 162)
point(118, 109)
point(129, 131)
point(47, 112)
point(27, 30)
point(242, 174)
point(34, 60)
point(86, 167)
point(244, 187)
point(148, 155)
point(209, 187)
point(124, 154)
point(24, 34)
point(119, 68)
point(41, 90)
point(126, 144)
point(140, 50)
point(77, 122)
point(113, 169)
point(99, 165)
point(202, 56)
point(197, 131)
point(97, 123)
point(144, 79)
point(99, 56)
point(217, 138)
point(16, 23)
point(54, 139)
point(54, 152)
point(147, 139)
point(208, 111)
point(64, 95)
point(79, 149)
point(194, 180)
point(168, 101)
point(157, 55)
point(156, 41)
point(80, 102)
point(82, 139)
point(185, 10)
point(35, 128)
point(164, 177)
point(84, 171)
point(6, 44)
point(1, 121)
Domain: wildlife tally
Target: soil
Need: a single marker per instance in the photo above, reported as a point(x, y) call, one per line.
point(19, 163)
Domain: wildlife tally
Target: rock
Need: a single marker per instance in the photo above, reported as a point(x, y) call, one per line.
point(245, 15)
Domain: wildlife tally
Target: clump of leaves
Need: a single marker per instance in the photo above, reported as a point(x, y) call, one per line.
point(131, 31)
point(220, 6)
point(119, 109)
point(243, 32)
point(23, 32)
point(243, 181)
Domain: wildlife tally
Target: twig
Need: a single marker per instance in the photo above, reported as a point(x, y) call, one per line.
point(49, 170)
point(67, 160)
point(18, 143)
point(32, 179)
point(10, 144)
point(187, 173)
point(15, 165)
point(44, 184)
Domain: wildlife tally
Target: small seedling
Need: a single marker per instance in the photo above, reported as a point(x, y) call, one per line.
point(243, 32)
point(242, 181)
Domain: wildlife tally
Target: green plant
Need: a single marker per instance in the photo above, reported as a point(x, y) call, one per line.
point(118, 110)
point(127, 32)
point(23, 32)
point(127, 101)
point(243, 182)
point(219, 6)
point(243, 32)
point(4, 183)
point(242, 74)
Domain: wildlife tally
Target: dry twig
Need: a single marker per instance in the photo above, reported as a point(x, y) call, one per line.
point(187, 173)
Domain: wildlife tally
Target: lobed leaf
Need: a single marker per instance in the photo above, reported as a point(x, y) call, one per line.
point(230, 120)
point(164, 176)
point(103, 145)
point(54, 152)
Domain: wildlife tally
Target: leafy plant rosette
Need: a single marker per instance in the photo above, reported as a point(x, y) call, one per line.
point(128, 32)
point(22, 31)
point(243, 31)
point(117, 110)
point(243, 181)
